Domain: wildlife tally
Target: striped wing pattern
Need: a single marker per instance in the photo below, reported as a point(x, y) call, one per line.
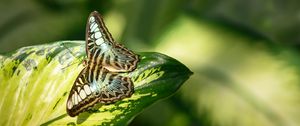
point(102, 48)
point(100, 81)
point(95, 84)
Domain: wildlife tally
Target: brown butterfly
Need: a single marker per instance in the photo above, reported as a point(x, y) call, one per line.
point(100, 81)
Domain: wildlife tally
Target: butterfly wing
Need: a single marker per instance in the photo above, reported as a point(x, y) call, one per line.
point(81, 96)
point(102, 49)
point(95, 84)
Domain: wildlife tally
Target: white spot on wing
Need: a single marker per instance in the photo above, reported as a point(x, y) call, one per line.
point(87, 89)
point(94, 27)
point(99, 41)
point(82, 94)
point(75, 97)
point(104, 47)
point(70, 104)
point(92, 19)
point(80, 80)
point(98, 35)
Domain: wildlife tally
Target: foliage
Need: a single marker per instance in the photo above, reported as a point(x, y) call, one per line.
point(245, 54)
point(35, 83)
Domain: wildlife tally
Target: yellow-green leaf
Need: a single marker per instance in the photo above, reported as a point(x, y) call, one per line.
point(35, 83)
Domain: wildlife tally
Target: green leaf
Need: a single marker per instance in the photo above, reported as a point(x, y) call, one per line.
point(35, 83)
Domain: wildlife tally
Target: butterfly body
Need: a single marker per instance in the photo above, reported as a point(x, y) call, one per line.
point(100, 81)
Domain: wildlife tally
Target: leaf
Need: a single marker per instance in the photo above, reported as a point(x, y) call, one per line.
point(35, 82)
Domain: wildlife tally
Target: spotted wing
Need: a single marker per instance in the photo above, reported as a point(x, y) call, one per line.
point(95, 84)
point(103, 50)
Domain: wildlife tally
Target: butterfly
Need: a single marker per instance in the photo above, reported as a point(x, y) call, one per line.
point(100, 80)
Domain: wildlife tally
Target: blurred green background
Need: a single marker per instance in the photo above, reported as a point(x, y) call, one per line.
point(244, 54)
